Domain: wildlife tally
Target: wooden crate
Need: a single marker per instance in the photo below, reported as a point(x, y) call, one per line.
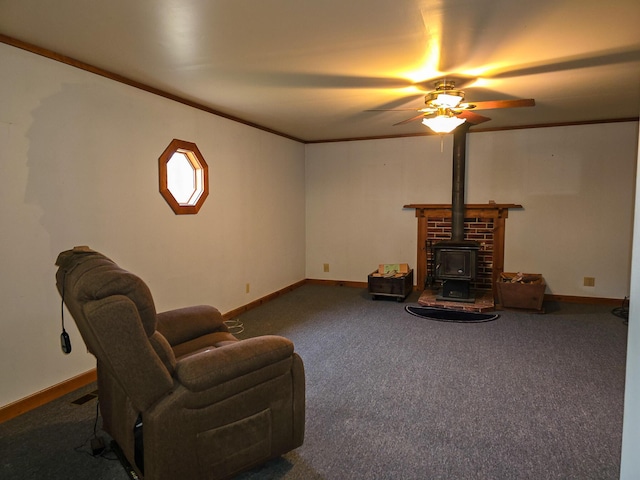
point(399, 285)
point(385, 268)
point(528, 295)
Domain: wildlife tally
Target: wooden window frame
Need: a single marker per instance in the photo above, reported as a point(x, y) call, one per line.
point(192, 153)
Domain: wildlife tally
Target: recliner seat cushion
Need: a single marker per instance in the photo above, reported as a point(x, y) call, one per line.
point(212, 340)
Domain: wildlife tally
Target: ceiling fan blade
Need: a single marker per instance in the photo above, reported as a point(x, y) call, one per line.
point(394, 110)
point(324, 80)
point(472, 117)
point(602, 58)
point(399, 102)
point(520, 102)
point(412, 119)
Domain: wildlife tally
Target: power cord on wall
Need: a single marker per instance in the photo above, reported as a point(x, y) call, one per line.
point(622, 311)
point(97, 445)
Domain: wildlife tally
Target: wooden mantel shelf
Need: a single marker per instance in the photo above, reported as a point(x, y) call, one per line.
point(490, 210)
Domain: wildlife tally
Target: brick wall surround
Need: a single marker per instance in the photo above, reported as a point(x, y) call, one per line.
point(484, 223)
point(475, 228)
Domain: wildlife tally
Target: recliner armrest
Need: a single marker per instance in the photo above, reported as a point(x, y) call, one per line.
point(184, 324)
point(211, 367)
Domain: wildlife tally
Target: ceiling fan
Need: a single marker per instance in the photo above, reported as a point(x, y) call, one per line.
point(445, 108)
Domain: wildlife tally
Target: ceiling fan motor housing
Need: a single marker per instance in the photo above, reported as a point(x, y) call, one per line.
point(444, 96)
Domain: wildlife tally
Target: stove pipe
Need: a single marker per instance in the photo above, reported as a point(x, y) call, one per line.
point(457, 192)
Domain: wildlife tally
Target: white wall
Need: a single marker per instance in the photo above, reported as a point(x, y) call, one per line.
point(79, 166)
point(355, 194)
point(576, 185)
point(630, 463)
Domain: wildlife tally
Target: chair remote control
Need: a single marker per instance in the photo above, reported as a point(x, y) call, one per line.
point(65, 342)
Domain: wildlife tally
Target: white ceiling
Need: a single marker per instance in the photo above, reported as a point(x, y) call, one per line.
point(312, 69)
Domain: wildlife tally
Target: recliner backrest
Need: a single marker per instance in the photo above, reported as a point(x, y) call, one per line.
point(116, 316)
point(87, 275)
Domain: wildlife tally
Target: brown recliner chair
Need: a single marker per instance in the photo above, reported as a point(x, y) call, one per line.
point(181, 396)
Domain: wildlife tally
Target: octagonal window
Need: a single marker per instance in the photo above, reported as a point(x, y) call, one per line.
point(184, 181)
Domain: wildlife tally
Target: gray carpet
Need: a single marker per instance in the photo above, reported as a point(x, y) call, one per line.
point(53, 442)
point(394, 396)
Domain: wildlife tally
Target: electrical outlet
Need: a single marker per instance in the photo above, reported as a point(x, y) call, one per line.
point(248, 288)
point(589, 281)
point(326, 267)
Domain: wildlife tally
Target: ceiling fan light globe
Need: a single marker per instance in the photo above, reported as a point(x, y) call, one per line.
point(442, 123)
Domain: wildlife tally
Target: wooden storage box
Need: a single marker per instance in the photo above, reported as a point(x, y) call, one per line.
point(527, 295)
point(397, 285)
point(385, 268)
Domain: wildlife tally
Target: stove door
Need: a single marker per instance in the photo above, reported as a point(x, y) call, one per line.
point(455, 264)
